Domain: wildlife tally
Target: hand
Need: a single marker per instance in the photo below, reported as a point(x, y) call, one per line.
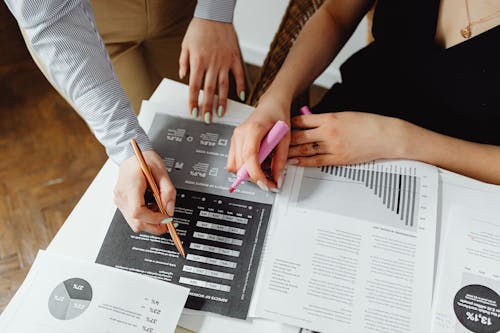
point(345, 138)
point(129, 194)
point(209, 50)
point(246, 139)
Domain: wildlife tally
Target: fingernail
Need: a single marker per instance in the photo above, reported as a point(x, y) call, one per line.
point(176, 225)
point(170, 208)
point(262, 186)
point(194, 113)
point(167, 220)
point(242, 95)
point(275, 190)
point(220, 110)
point(280, 180)
point(181, 75)
point(293, 161)
point(207, 117)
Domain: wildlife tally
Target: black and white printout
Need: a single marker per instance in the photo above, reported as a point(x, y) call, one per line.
point(61, 294)
point(467, 297)
point(353, 249)
point(222, 233)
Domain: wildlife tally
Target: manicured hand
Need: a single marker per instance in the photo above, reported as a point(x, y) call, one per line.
point(209, 51)
point(344, 138)
point(246, 139)
point(129, 194)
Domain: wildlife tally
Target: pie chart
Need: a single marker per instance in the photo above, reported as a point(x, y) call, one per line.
point(70, 299)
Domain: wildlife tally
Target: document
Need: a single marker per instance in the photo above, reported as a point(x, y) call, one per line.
point(468, 285)
point(222, 233)
point(353, 250)
point(61, 294)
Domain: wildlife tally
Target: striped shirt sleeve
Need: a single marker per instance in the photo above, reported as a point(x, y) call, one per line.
point(64, 39)
point(215, 10)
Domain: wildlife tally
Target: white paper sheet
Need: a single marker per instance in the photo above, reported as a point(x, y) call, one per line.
point(61, 294)
point(467, 297)
point(354, 250)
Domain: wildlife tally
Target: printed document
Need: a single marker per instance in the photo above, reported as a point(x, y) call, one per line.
point(468, 285)
point(222, 233)
point(353, 250)
point(63, 295)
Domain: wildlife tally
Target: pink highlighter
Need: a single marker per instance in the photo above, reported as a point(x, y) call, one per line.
point(270, 141)
point(305, 110)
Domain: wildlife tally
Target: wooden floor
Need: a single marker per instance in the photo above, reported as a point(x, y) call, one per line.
point(48, 159)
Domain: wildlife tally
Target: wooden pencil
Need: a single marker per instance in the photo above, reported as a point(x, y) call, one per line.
point(156, 194)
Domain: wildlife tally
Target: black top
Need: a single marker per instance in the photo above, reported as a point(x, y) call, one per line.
point(404, 74)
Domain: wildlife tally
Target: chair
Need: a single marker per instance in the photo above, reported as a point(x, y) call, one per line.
point(296, 15)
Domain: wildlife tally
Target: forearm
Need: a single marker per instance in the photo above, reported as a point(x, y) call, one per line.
point(479, 161)
point(64, 39)
point(317, 45)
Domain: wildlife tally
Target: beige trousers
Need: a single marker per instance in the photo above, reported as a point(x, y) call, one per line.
point(143, 39)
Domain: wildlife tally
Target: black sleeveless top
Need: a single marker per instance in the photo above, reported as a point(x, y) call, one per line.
point(404, 74)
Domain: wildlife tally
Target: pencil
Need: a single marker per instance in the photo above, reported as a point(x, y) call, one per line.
point(156, 193)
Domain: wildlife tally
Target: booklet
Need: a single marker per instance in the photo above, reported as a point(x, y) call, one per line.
point(62, 295)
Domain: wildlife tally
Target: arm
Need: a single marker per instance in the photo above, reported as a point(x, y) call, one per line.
point(63, 38)
point(356, 137)
point(479, 161)
point(318, 43)
point(209, 51)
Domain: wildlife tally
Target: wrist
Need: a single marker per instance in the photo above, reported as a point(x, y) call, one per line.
point(402, 147)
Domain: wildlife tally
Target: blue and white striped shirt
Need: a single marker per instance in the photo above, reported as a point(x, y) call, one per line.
point(64, 39)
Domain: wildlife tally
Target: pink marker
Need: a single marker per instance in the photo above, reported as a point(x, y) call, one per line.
point(270, 141)
point(305, 110)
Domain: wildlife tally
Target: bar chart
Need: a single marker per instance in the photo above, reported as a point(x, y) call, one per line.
point(384, 192)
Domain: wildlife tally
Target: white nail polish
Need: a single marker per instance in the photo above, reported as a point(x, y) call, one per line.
point(275, 190)
point(262, 186)
point(167, 220)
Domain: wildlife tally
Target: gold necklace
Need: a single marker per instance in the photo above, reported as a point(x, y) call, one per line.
point(467, 31)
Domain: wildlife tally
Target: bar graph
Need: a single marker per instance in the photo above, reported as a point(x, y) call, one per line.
point(384, 192)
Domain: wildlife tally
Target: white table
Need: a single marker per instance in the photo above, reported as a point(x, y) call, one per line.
point(83, 232)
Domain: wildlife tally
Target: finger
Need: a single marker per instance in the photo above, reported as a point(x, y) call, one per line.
point(314, 161)
point(140, 215)
point(155, 229)
point(195, 79)
point(300, 137)
point(208, 95)
point(167, 189)
point(231, 160)
point(239, 76)
point(183, 63)
point(279, 160)
point(255, 171)
point(223, 91)
point(308, 149)
point(308, 121)
point(138, 225)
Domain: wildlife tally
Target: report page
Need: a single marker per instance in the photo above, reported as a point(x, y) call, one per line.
point(354, 249)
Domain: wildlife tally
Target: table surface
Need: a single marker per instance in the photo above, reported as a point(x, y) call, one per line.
point(83, 232)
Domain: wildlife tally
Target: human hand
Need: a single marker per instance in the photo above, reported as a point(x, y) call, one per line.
point(209, 51)
point(246, 139)
point(129, 194)
point(345, 138)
